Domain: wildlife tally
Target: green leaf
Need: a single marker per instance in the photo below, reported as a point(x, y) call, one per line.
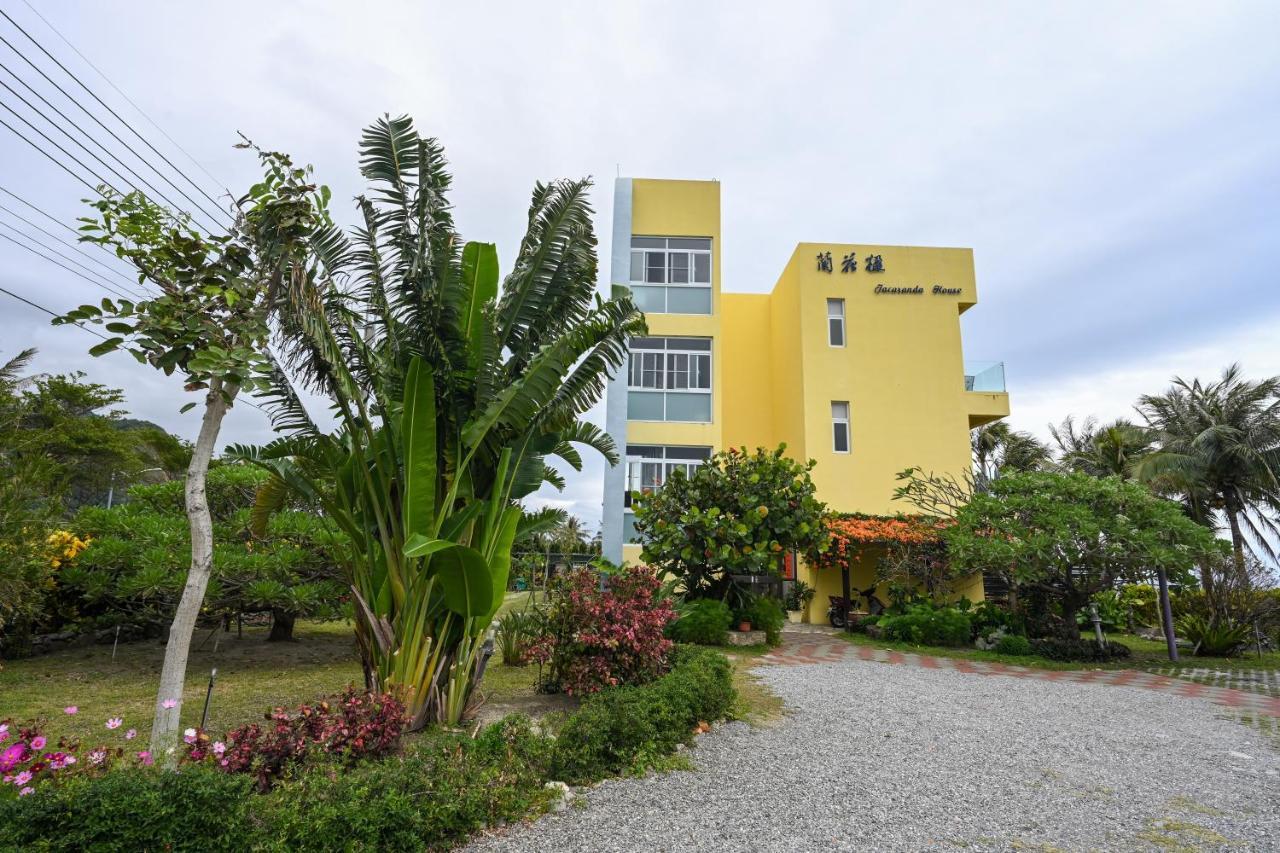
point(105, 347)
point(465, 579)
point(119, 328)
point(500, 565)
point(418, 545)
point(480, 285)
point(418, 430)
point(188, 407)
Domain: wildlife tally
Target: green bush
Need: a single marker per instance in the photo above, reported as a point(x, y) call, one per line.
point(703, 622)
point(987, 617)
point(616, 730)
point(1057, 648)
point(1220, 638)
point(925, 624)
point(1013, 644)
point(443, 789)
point(133, 809)
point(765, 614)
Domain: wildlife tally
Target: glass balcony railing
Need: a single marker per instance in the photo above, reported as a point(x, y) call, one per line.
point(984, 376)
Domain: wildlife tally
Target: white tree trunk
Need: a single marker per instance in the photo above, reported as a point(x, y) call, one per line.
point(164, 731)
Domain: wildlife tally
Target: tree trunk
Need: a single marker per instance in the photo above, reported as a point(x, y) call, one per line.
point(281, 626)
point(164, 731)
point(1237, 538)
point(1166, 615)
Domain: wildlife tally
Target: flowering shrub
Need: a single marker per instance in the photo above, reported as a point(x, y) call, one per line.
point(28, 759)
point(846, 536)
point(355, 726)
point(601, 638)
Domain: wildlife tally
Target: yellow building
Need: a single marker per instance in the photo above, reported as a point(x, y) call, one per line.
point(854, 360)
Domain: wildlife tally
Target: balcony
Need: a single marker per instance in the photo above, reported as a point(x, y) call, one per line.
point(985, 392)
point(984, 376)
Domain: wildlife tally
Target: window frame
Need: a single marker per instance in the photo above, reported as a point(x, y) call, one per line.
point(837, 318)
point(838, 421)
point(642, 254)
point(669, 359)
point(635, 463)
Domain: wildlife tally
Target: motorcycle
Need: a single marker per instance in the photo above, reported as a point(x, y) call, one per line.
point(841, 608)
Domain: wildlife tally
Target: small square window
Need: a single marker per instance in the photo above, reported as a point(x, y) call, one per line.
point(840, 426)
point(835, 322)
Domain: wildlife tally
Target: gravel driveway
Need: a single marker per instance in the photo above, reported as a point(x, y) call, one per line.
point(880, 757)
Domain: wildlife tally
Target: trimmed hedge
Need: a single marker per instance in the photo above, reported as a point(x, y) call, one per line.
point(704, 622)
point(1055, 648)
point(441, 790)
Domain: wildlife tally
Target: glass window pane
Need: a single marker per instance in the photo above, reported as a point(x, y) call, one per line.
point(840, 410)
point(650, 476)
point(841, 435)
point(695, 344)
point(689, 300)
point(703, 243)
point(651, 370)
point(644, 405)
point(648, 242)
point(648, 343)
point(702, 269)
point(835, 331)
point(835, 307)
point(678, 267)
point(650, 299)
point(645, 451)
point(700, 372)
point(637, 266)
point(655, 267)
point(689, 407)
point(686, 452)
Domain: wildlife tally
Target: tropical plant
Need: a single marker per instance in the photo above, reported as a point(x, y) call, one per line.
point(516, 634)
point(735, 514)
point(1213, 637)
point(999, 449)
point(1101, 451)
point(1062, 538)
point(703, 621)
point(449, 392)
point(209, 322)
point(1219, 450)
point(799, 596)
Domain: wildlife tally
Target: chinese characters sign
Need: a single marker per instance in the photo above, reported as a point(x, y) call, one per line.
point(849, 263)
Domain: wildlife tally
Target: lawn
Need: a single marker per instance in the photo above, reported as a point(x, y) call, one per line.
point(1147, 654)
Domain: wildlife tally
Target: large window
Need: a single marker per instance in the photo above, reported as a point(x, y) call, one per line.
point(840, 426)
point(650, 465)
point(835, 322)
point(669, 379)
point(671, 275)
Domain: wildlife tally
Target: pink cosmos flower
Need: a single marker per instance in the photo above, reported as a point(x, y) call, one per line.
point(219, 747)
point(131, 734)
point(12, 756)
point(26, 791)
point(169, 703)
point(97, 756)
point(38, 742)
point(145, 758)
point(189, 735)
point(70, 759)
point(71, 709)
point(4, 734)
point(224, 762)
point(114, 723)
point(22, 778)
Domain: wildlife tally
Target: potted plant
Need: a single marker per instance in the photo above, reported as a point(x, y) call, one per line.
point(797, 601)
point(744, 624)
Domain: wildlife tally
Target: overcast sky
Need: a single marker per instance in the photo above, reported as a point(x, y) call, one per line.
point(1115, 167)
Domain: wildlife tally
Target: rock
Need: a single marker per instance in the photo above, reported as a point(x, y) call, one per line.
point(566, 795)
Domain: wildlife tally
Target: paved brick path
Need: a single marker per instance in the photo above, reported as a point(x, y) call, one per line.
point(811, 648)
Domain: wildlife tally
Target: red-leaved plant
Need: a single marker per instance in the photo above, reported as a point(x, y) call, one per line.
point(597, 638)
point(352, 727)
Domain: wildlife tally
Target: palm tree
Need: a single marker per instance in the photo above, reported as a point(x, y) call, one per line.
point(571, 535)
point(999, 449)
point(1101, 451)
point(450, 393)
point(1219, 448)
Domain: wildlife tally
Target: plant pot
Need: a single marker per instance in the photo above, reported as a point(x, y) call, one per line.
point(744, 626)
point(795, 617)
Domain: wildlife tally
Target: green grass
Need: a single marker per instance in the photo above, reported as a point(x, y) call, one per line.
point(253, 676)
point(1147, 654)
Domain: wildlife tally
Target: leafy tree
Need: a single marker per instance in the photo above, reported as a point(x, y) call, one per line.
point(736, 514)
point(450, 393)
point(1112, 449)
point(1062, 538)
point(998, 449)
point(1219, 449)
point(210, 324)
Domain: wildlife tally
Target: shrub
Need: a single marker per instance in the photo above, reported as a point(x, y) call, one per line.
point(516, 634)
point(924, 624)
point(987, 617)
point(1062, 649)
point(1013, 644)
point(764, 614)
point(132, 809)
point(443, 789)
point(601, 638)
point(1217, 639)
point(1112, 612)
point(703, 622)
point(800, 595)
point(354, 727)
point(615, 730)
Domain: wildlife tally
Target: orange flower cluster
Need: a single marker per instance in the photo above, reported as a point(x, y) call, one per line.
point(849, 535)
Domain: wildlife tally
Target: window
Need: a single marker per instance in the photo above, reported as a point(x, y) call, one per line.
point(840, 426)
point(835, 322)
point(671, 275)
point(669, 379)
point(649, 466)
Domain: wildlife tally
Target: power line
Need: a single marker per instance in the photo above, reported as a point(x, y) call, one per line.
point(63, 131)
point(109, 288)
point(69, 245)
point(49, 312)
point(121, 93)
point(98, 277)
point(55, 160)
point(108, 108)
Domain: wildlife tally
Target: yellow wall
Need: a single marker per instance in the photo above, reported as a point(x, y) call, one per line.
point(775, 374)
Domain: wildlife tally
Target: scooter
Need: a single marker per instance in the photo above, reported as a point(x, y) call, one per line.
point(841, 607)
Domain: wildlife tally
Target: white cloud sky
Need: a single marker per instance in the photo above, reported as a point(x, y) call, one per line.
point(1115, 167)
